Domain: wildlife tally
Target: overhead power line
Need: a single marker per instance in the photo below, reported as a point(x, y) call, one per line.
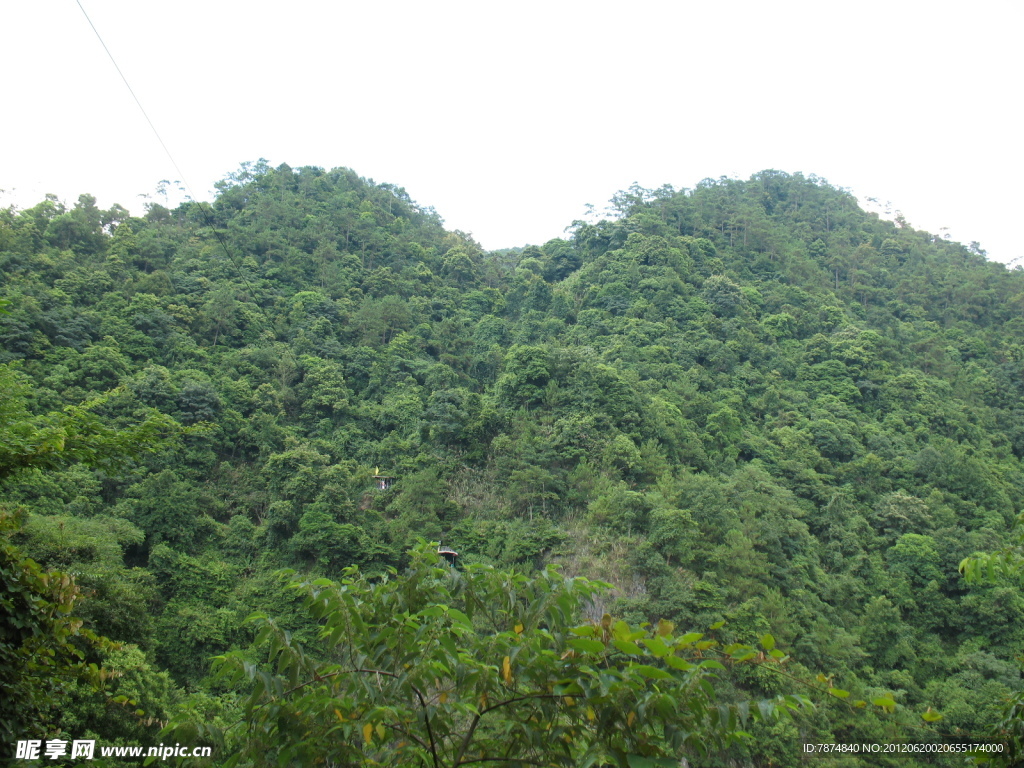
point(139, 103)
point(181, 175)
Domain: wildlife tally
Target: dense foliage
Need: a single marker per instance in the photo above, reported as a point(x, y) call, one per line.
point(750, 401)
point(439, 667)
point(47, 655)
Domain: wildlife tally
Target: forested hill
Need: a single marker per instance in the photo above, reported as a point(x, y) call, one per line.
point(750, 401)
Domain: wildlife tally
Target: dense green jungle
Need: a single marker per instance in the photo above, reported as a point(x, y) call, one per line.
point(749, 402)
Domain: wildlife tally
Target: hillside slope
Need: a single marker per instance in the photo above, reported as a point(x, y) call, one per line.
point(748, 401)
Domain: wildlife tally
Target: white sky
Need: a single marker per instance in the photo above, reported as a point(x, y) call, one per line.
point(509, 118)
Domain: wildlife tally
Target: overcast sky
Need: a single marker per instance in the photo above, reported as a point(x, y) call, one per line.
point(510, 118)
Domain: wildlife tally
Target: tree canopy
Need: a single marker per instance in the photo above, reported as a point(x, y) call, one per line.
point(749, 401)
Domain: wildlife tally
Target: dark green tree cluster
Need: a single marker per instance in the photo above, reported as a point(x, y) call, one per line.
point(59, 677)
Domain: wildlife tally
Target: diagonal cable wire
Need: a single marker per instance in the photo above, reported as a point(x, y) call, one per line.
point(139, 103)
point(206, 215)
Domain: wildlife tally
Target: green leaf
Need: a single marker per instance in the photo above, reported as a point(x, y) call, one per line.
point(621, 630)
point(767, 642)
point(628, 647)
point(681, 664)
point(657, 646)
point(652, 672)
point(586, 645)
point(839, 693)
point(449, 646)
point(885, 702)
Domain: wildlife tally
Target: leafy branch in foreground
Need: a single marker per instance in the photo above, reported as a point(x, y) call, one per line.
point(75, 434)
point(42, 647)
point(1002, 565)
point(44, 650)
point(442, 668)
